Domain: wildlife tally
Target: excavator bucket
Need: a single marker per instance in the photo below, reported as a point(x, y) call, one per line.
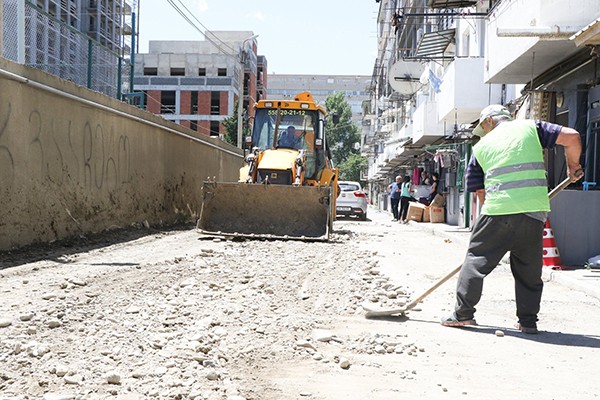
point(265, 211)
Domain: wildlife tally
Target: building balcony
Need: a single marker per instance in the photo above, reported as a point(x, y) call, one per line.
point(525, 38)
point(427, 129)
point(463, 92)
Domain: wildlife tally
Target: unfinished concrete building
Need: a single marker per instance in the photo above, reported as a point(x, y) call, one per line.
point(197, 83)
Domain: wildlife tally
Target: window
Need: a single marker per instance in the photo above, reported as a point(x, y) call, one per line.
point(150, 71)
point(201, 71)
point(214, 128)
point(177, 71)
point(194, 104)
point(167, 102)
point(246, 84)
point(194, 125)
point(215, 103)
point(348, 187)
point(222, 72)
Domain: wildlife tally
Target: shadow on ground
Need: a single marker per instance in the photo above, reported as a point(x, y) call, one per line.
point(56, 250)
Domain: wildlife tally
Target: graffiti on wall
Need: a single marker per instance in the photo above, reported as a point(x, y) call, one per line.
point(62, 151)
point(7, 173)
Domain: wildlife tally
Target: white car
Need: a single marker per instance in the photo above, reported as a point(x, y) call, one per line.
point(351, 200)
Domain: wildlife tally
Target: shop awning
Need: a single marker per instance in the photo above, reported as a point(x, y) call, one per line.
point(434, 43)
point(590, 35)
point(451, 3)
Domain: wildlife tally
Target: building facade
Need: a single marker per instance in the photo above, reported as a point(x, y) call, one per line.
point(85, 42)
point(354, 87)
point(441, 61)
point(197, 83)
point(427, 88)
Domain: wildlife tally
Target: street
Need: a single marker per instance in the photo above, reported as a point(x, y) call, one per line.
point(173, 315)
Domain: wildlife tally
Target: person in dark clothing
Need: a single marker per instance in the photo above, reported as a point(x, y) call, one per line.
point(435, 177)
point(424, 180)
point(405, 198)
point(395, 196)
point(291, 139)
point(508, 174)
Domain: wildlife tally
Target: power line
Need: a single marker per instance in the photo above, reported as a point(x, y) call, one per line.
point(187, 18)
point(206, 30)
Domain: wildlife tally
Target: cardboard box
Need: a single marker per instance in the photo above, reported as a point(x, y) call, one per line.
point(438, 201)
point(426, 214)
point(415, 211)
point(436, 214)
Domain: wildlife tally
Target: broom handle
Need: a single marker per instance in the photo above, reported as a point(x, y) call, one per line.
point(563, 185)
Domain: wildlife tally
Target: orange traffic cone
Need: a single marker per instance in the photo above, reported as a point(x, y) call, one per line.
point(551, 256)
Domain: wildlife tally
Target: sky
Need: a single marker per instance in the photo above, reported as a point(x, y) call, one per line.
point(307, 37)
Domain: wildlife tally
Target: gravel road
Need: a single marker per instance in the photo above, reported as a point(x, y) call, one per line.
point(173, 315)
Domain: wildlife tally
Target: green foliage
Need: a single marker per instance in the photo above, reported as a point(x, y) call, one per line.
point(351, 168)
point(230, 125)
point(342, 138)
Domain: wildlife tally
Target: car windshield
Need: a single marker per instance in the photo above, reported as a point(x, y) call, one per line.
point(296, 130)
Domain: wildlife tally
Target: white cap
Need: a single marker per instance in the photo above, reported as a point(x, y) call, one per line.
point(490, 111)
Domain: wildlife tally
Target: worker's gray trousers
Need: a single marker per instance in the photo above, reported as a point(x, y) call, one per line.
point(491, 238)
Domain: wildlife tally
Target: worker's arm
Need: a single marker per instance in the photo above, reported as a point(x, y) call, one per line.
point(480, 196)
point(570, 140)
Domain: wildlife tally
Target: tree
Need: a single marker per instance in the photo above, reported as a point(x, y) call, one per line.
point(350, 170)
point(230, 125)
point(344, 138)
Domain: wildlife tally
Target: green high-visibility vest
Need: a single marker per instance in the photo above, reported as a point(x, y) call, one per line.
point(512, 159)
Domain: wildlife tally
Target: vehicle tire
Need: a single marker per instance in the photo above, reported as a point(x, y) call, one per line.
point(363, 217)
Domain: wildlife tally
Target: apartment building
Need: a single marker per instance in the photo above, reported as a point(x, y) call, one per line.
point(354, 87)
point(81, 41)
point(427, 88)
point(197, 83)
point(441, 61)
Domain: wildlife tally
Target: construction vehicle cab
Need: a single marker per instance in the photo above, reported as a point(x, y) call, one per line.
point(288, 186)
point(297, 126)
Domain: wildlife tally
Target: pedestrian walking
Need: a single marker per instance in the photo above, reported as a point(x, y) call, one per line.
point(507, 172)
point(395, 195)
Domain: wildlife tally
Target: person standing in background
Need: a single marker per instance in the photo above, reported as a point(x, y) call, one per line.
point(424, 179)
point(395, 196)
point(434, 187)
point(405, 198)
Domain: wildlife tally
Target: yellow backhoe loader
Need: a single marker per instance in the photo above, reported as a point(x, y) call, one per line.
point(288, 187)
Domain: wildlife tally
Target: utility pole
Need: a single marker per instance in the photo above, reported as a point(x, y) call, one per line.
point(241, 89)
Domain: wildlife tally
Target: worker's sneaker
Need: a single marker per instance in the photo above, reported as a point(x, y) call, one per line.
point(532, 330)
point(451, 320)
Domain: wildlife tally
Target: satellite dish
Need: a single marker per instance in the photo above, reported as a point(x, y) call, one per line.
point(404, 76)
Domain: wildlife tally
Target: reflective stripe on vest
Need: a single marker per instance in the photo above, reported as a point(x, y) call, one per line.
point(515, 168)
point(512, 160)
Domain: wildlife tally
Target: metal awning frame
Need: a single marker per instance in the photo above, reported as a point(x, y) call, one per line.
point(452, 3)
point(434, 43)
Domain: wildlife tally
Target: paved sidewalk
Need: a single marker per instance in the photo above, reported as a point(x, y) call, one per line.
point(578, 278)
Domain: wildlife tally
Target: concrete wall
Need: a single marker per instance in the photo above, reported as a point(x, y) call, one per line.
point(80, 164)
point(575, 220)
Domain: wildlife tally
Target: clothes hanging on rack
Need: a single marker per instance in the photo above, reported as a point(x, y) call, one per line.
point(416, 176)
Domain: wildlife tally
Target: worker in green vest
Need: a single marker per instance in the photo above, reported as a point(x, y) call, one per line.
point(508, 175)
